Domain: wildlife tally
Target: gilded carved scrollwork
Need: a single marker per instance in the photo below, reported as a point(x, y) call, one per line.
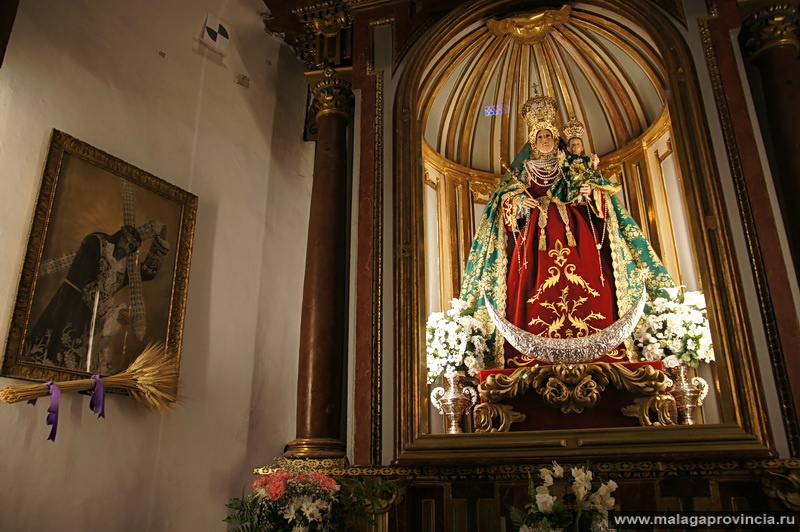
point(662, 405)
point(328, 37)
point(572, 388)
point(485, 413)
point(499, 386)
point(329, 24)
point(645, 380)
point(332, 95)
point(783, 486)
point(529, 29)
point(481, 190)
point(775, 25)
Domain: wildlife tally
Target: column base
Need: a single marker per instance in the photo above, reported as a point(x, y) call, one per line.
point(315, 448)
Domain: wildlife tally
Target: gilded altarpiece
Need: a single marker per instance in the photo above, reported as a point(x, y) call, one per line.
point(661, 165)
point(440, 188)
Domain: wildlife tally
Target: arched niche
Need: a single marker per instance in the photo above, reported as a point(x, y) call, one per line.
point(742, 427)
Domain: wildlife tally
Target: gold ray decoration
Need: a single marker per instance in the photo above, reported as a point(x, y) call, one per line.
point(529, 29)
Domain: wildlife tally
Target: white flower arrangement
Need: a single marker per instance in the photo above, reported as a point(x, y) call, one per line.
point(576, 506)
point(456, 341)
point(676, 331)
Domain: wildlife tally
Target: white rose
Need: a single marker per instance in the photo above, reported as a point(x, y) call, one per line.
point(671, 361)
point(602, 501)
point(580, 489)
point(558, 471)
point(458, 305)
point(695, 299)
point(579, 473)
point(675, 345)
point(435, 319)
point(545, 503)
point(672, 292)
point(652, 352)
point(546, 476)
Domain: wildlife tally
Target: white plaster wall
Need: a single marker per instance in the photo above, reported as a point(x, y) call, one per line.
point(92, 69)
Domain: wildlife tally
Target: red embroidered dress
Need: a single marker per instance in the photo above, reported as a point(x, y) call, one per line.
point(542, 271)
point(558, 285)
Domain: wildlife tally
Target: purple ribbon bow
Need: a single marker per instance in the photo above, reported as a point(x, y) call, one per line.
point(98, 402)
point(52, 410)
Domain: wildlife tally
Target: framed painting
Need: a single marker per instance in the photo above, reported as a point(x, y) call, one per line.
point(106, 269)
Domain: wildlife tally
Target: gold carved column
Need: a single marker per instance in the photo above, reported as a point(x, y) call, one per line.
point(320, 399)
point(770, 37)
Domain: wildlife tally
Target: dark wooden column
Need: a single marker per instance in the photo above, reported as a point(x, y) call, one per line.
point(320, 399)
point(770, 36)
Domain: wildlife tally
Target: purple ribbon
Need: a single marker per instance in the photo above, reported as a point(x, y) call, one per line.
point(52, 410)
point(98, 402)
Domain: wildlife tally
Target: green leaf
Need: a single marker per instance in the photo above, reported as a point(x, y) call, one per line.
point(245, 513)
point(359, 497)
point(517, 516)
point(531, 488)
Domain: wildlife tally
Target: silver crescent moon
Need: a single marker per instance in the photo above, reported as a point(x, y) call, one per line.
point(570, 350)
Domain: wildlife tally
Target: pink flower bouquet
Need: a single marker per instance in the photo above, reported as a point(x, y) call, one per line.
point(288, 501)
point(294, 497)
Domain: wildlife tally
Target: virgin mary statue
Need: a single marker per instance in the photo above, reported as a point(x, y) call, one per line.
point(555, 250)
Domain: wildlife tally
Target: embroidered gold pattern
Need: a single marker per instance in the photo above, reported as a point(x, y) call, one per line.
point(563, 307)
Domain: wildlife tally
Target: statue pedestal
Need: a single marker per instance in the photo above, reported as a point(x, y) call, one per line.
point(571, 396)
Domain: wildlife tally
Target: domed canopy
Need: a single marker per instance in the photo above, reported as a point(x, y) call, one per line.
point(600, 69)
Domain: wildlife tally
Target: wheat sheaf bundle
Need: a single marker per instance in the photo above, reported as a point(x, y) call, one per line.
point(151, 380)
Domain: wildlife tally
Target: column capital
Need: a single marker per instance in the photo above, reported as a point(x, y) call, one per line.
point(328, 32)
point(331, 92)
point(770, 27)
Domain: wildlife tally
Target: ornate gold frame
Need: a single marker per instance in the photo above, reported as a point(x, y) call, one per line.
point(744, 428)
point(45, 224)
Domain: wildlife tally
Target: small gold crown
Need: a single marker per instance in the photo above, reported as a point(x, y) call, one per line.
point(539, 113)
point(573, 129)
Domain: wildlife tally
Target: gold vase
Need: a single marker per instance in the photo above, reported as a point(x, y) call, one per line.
point(688, 392)
point(452, 401)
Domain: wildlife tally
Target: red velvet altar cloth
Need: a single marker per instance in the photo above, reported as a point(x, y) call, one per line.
point(606, 413)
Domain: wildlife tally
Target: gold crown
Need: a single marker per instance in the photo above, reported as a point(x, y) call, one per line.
point(539, 113)
point(573, 129)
